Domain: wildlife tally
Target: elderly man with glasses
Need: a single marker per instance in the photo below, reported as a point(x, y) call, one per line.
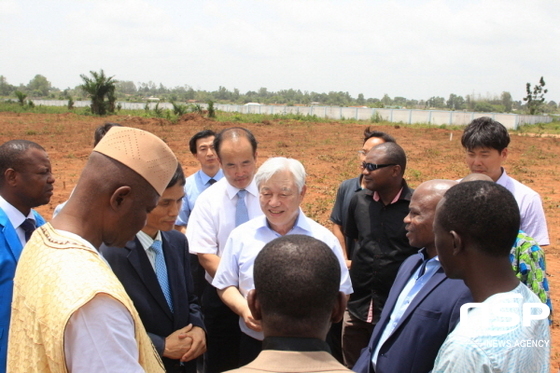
point(375, 221)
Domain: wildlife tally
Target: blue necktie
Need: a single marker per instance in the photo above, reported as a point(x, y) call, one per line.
point(241, 214)
point(161, 272)
point(28, 227)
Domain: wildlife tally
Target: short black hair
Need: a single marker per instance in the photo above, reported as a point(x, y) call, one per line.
point(297, 280)
point(178, 177)
point(229, 133)
point(11, 155)
point(394, 153)
point(483, 212)
point(369, 133)
point(199, 135)
point(485, 132)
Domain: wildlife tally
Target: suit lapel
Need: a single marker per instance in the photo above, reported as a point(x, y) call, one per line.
point(10, 235)
point(141, 264)
point(401, 281)
point(397, 287)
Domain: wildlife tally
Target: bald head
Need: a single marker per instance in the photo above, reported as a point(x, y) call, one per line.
point(234, 134)
point(433, 188)
point(476, 176)
point(419, 221)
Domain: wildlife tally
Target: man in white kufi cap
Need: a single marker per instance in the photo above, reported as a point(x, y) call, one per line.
point(70, 313)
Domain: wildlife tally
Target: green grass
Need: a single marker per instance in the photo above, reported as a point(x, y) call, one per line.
point(549, 128)
point(221, 116)
point(39, 109)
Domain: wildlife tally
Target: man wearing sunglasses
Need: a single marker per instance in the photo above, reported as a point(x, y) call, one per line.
point(375, 221)
point(345, 192)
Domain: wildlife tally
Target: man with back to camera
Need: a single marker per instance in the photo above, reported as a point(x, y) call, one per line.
point(486, 143)
point(475, 227)
point(423, 304)
point(281, 184)
point(230, 202)
point(26, 181)
point(70, 312)
point(154, 269)
point(527, 258)
point(296, 298)
point(375, 220)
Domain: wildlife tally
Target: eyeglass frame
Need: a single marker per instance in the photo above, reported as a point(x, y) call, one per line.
point(372, 166)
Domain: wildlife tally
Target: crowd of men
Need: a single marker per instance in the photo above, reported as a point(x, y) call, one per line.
point(143, 269)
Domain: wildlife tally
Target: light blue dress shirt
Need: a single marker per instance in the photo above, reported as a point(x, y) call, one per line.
point(194, 185)
point(411, 289)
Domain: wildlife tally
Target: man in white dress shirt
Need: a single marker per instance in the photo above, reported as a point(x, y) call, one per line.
point(486, 144)
point(281, 183)
point(218, 210)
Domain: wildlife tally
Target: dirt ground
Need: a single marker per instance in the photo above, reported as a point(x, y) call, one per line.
point(328, 151)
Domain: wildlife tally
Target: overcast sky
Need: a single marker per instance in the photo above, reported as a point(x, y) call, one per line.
point(409, 48)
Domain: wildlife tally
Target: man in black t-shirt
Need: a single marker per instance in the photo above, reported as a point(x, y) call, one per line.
point(375, 220)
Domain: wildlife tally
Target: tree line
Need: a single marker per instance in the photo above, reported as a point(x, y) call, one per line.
point(125, 90)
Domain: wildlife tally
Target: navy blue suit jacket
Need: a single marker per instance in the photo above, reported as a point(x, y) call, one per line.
point(134, 270)
point(430, 317)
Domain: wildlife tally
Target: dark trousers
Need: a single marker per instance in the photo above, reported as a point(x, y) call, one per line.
point(250, 349)
point(222, 334)
point(334, 339)
point(198, 273)
point(355, 336)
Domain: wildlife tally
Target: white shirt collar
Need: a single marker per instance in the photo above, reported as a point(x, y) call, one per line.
point(146, 241)
point(232, 191)
point(15, 216)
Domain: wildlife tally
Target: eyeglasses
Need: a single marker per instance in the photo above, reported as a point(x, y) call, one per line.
point(372, 166)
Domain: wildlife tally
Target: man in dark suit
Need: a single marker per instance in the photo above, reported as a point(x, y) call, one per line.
point(154, 269)
point(423, 304)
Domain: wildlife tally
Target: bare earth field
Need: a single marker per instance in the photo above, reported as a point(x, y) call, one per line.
point(328, 151)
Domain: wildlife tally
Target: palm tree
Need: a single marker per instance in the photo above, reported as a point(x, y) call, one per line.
point(97, 87)
point(21, 97)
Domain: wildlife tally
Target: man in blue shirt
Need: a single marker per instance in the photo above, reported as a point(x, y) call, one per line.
point(202, 148)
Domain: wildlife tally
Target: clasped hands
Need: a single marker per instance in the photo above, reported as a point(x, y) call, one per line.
point(185, 344)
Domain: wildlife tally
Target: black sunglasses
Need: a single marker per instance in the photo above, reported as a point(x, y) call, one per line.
point(372, 166)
